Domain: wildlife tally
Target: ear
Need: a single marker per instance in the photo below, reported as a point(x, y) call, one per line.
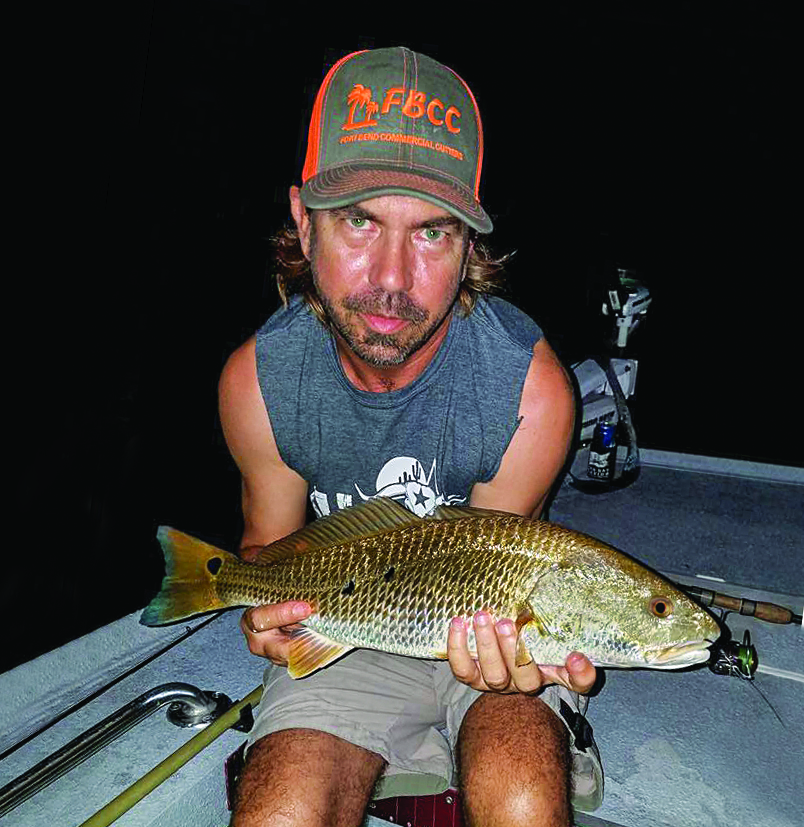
point(302, 218)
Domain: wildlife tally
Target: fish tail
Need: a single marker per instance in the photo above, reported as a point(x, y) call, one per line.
point(189, 585)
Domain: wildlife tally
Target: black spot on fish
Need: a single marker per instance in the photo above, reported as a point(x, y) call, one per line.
point(389, 575)
point(348, 589)
point(214, 565)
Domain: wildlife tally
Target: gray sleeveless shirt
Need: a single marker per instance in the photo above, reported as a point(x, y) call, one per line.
point(426, 444)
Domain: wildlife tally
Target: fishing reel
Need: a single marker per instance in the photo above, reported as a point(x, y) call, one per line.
point(737, 660)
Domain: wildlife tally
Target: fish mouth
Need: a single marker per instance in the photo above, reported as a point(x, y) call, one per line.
point(680, 655)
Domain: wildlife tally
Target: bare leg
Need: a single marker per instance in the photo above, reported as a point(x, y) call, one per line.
point(514, 761)
point(305, 778)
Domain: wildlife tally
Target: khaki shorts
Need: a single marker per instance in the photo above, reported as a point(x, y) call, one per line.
point(408, 711)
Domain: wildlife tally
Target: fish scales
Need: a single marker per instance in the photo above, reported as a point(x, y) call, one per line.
point(421, 597)
point(379, 577)
point(442, 569)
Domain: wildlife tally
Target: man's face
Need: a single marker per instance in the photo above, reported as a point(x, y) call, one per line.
point(388, 271)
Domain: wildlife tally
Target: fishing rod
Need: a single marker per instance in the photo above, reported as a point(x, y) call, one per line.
point(769, 612)
point(734, 658)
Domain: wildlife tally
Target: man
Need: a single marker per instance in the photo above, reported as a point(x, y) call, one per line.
point(388, 373)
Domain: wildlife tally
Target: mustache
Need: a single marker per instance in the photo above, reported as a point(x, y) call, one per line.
point(380, 303)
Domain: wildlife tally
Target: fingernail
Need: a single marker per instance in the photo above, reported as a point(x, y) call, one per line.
point(506, 628)
point(299, 609)
point(457, 624)
point(482, 619)
point(575, 660)
point(248, 617)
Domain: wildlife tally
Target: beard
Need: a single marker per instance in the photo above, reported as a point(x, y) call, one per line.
point(382, 349)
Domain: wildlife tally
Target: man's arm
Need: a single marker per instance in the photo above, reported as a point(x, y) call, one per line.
point(539, 447)
point(274, 496)
point(532, 461)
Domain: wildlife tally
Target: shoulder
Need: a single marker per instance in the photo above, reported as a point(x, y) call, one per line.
point(539, 447)
point(288, 320)
point(547, 380)
point(258, 366)
point(239, 399)
point(498, 319)
point(283, 342)
point(546, 377)
point(274, 496)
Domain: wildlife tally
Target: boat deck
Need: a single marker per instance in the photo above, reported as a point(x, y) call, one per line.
point(690, 749)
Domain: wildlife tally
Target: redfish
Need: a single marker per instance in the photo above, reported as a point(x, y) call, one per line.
point(379, 577)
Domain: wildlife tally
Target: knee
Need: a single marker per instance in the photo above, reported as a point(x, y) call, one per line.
point(515, 765)
point(543, 803)
point(304, 778)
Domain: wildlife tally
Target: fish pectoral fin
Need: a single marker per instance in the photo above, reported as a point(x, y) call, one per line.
point(531, 617)
point(523, 656)
point(311, 651)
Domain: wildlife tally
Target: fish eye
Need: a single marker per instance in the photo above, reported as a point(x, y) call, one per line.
point(661, 606)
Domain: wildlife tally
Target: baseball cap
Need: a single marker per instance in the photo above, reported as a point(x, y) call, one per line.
point(395, 122)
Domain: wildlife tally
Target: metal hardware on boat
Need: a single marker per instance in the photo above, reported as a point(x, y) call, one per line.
point(189, 707)
point(190, 714)
point(235, 718)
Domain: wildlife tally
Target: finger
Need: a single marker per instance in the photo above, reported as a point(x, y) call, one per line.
point(490, 659)
point(581, 673)
point(461, 662)
point(578, 674)
point(266, 629)
point(269, 644)
point(526, 677)
point(250, 554)
point(261, 618)
point(272, 645)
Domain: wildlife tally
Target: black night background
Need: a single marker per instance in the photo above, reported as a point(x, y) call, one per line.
point(157, 142)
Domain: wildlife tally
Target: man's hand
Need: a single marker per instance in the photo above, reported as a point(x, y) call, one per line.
point(495, 669)
point(267, 628)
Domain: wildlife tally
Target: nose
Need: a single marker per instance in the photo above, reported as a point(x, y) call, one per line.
point(391, 269)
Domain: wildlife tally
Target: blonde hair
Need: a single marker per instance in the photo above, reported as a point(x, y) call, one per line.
point(484, 273)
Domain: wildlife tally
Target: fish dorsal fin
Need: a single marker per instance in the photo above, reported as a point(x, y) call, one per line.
point(461, 512)
point(311, 651)
point(369, 518)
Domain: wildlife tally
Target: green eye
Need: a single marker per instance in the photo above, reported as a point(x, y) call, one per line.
point(433, 235)
point(358, 223)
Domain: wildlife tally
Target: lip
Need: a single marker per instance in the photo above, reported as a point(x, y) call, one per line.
point(673, 657)
point(384, 324)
